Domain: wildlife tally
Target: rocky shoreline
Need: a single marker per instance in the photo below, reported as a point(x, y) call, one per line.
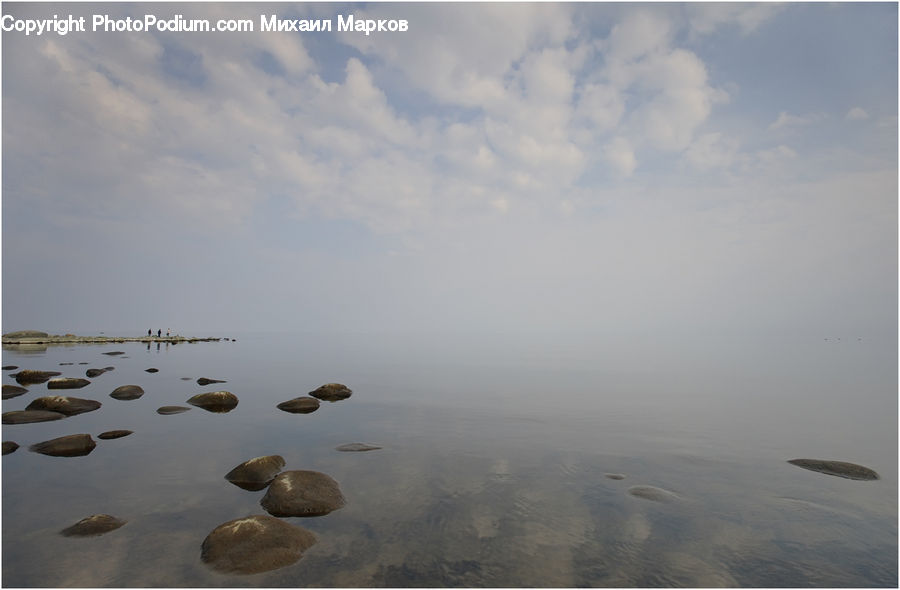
point(34, 337)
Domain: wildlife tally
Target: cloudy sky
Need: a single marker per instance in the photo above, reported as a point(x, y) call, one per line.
point(694, 169)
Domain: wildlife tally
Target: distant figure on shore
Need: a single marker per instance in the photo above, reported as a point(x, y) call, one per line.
point(167, 332)
point(150, 332)
point(159, 333)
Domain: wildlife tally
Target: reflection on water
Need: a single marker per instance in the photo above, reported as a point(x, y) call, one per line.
point(493, 469)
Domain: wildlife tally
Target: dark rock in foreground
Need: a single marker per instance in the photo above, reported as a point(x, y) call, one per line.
point(69, 406)
point(256, 474)
point(168, 410)
point(28, 377)
point(30, 416)
point(837, 468)
point(215, 401)
point(300, 405)
point(11, 391)
point(111, 434)
point(614, 475)
point(67, 383)
point(127, 392)
point(205, 381)
point(94, 372)
point(254, 544)
point(332, 392)
point(356, 447)
point(9, 447)
point(73, 445)
point(302, 493)
point(98, 524)
point(653, 493)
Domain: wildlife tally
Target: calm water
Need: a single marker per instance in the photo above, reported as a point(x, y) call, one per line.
point(492, 471)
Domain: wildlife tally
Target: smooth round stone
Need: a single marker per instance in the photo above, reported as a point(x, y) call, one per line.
point(30, 416)
point(127, 392)
point(67, 383)
point(254, 544)
point(98, 524)
point(332, 392)
point(215, 401)
point(614, 475)
point(70, 406)
point(837, 468)
point(9, 447)
point(10, 367)
point(151, 370)
point(111, 434)
point(256, 473)
point(11, 391)
point(205, 381)
point(73, 445)
point(302, 493)
point(28, 377)
point(300, 405)
point(169, 410)
point(652, 493)
point(94, 372)
point(356, 448)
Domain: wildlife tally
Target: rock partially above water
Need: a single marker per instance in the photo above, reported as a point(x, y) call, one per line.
point(356, 447)
point(111, 434)
point(302, 493)
point(168, 410)
point(653, 493)
point(9, 367)
point(205, 381)
point(29, 416)
point(73, 445)
point(332, 392)
point(300, 405)
point(67, 383)
point(837, 468)
point(98, 524)
point(11, 391)
point(614, 475)
point(254, 544)
point(127, 392)
point(9, 447)
point(69, 406)
point(28, 377)
point(215, 401)
point(114, 352)
point(94, 372)
point(151, 370)
point(256, 474)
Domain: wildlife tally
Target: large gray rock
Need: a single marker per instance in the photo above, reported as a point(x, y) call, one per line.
point(653, 493)
point(300, 405)
point(30, 416)
point(28, 377)
point(67, 383)
point(254, 544)
point(215, 401)
point(302, 493)
point(98, 524)
point(127, 392)
point(69, 406)
point(836, 468)
point(256, 474)
point(11, 391)
point(332, 392)
point(73, 445)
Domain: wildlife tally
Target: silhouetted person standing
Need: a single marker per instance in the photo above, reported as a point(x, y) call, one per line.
point(159, 333)
point(149, 332)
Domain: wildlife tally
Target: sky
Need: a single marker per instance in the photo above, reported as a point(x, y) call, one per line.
point(659, 170)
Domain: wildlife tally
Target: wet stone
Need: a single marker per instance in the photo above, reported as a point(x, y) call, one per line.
point(28, 377)
point(151, 370)
point(302, 493)
point(30, 416)
point(215, 401)
point(169, 410)
point(65, 364)
point(186, 378)
point(205, 381)
point(109, 368)
point(69, 406)
point(111, 434)
point(127, 392)
point(332, 392)
point(84, 363)
point(837, 468)
point(356, 447)
point(98, 524)
point(653, 493)
point(114, 352)
point(254, 544)
point(11, 391)
point(67, 383)
point(73, 445)
point(10, 367)
point(256, 473)
point(300, 405)
point(94, 372)
point(614, 475)
point(9, 447)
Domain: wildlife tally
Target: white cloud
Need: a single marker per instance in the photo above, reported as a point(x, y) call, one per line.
point(711, 150)
point(857, 114)
point(706, 17)
point(620, 155)
point(786, 120)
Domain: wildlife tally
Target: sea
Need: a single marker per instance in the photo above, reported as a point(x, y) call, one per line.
point(504, 460)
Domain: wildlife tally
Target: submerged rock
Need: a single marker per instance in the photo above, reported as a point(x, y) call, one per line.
point(9, 447)
point(215, 401)
point(65, 364)
point(11, 391)
point(356, 447)
point(111, 434)
point(300, 405)
point(98, 524)
point(151, 370)
point(205, 381)
point(114, 352)
point(94, 372)
point(837, 468)
point(256, 473)
point(10, 367)
point(653, 493)
point(67, 383)
point(30, 416)
point(28, 377)
point(614, 475)
point(69, 406)
point(127, 392)
point(254, 544)
point(168, 410)
point(73, 445)
point(302, 493)
point(332, 392)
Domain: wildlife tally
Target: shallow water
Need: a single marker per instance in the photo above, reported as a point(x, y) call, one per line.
point(492, 471)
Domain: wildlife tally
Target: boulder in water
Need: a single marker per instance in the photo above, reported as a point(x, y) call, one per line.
point(114, 352)
point(169, 410)
point(302, 493)
point(300, 405)
point(332, 392)
point(9, 447)
point(11, 391)
point(10, 367)
point(94, 372)
point(836, 468)
point(205, 381)
point(111, 434)
point(70, 406)
point(256, 474)
point(28, 377)
point(67, 383)
point(254, 544)
point(215, 401)
point(98, 524)
point(73, 445)
point(151, 370)
point(30, 416)
point(127, 392)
